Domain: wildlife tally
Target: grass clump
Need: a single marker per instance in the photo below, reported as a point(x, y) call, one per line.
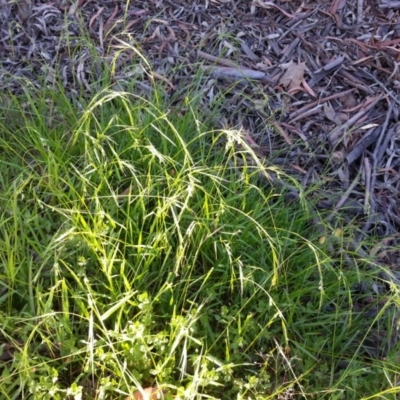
point(136, 254)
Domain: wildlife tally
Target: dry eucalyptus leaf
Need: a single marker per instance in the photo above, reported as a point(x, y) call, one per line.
point(368, 126)
point(330, 112)
point(337, 157)
point(349, 101)
point(294, 74)
point(150, 393)
point(24, 9)
point(332, 115)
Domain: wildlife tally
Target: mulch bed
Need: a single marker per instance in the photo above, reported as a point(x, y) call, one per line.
point(312, 84)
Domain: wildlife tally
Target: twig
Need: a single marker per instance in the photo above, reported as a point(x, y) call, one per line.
point(363, 144)
point(384, 145)
point(249, 52)
point(377, 150)
point(375, 160)
point(218, 60)
point(237, 72)
point(269, 4)
point(367, 167)
point(345, 196)
point(307, 113)
point(333, 135)
point(389, 4)
point(319, 101)
point(381, 85)
point(360, 11)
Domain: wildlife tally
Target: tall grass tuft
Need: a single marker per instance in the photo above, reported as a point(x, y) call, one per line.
point(140, 253)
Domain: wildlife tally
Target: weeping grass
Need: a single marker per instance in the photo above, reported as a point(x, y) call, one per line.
point(140, 251)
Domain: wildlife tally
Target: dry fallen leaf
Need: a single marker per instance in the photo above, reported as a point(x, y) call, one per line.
point(110, 23)
point(349, 101)
point(332, 115)
point(24, 9)
point(294, 74)
point(126, 193)
point(308, 88)
point(330, 112)
point(150, 393)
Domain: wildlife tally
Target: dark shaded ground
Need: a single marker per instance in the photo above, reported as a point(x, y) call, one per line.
point(313, 84)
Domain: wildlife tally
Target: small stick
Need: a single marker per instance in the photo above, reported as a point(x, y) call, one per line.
point(382, 86)
point(237, 72)
point(379, 150)
point(385, 144)
point(360, 11)
point(345, 196)
point(269, 4)
point(367, 167)
point(218, 60)
point(307, 113)
point(375, 160)
point(366, 141)
point(390, 4)
point(334, 134)
point(319, 101)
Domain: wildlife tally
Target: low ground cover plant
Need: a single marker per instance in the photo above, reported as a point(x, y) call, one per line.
point(141, 257)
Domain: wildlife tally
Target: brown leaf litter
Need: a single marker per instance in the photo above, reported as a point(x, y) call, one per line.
point(313, 84)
